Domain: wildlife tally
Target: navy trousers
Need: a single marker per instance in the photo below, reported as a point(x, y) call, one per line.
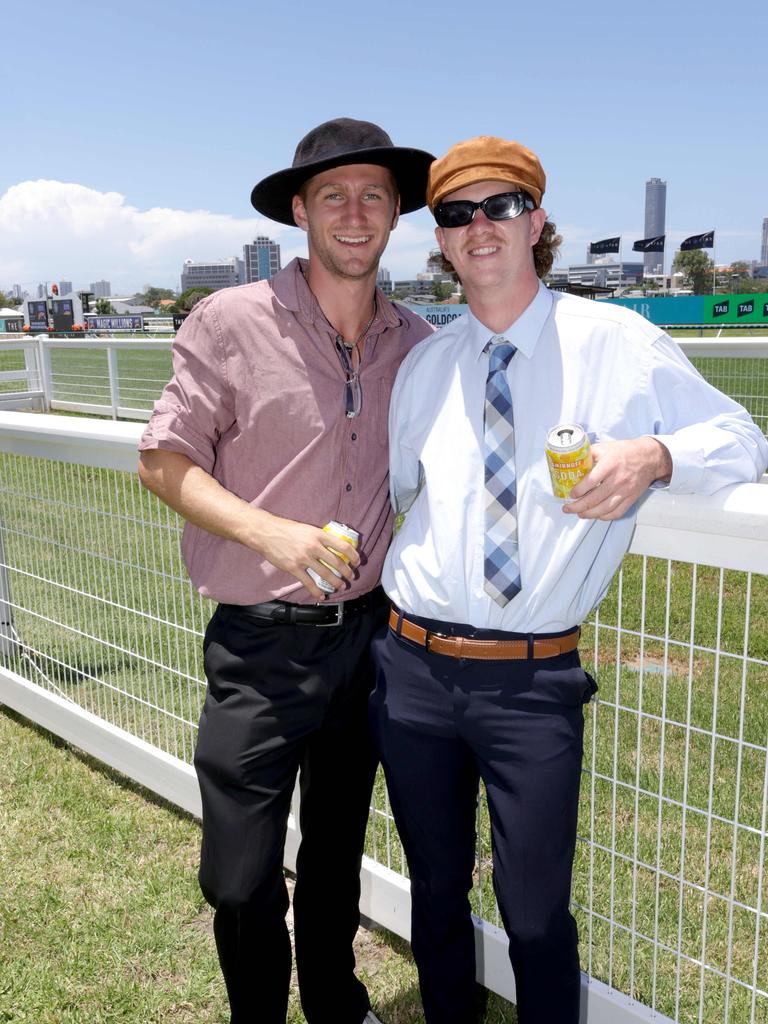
point(442, 724)
point(285, 699)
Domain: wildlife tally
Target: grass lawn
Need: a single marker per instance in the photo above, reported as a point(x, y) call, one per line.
point(102, 921)
point(676, 753)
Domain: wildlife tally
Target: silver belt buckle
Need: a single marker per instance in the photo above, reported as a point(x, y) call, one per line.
point(339, 605)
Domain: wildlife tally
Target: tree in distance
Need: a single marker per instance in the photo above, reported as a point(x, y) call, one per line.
point(9, 301)
point(153, 296)
point(105, 308)
point(187, 299)
point(443, 290)
point(696, 268)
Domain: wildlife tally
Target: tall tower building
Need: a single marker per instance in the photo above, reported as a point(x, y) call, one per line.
point(655, 219)
point(262, 259)
point(101, 289)
point(764, 246)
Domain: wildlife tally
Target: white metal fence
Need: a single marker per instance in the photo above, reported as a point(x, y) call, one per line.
point(123, 379)
point(100, 642)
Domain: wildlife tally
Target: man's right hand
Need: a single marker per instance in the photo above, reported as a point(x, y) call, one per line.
point(288, 545)
point(295, 547)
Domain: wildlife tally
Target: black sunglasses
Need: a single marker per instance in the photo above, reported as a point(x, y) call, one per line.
point(504, 206)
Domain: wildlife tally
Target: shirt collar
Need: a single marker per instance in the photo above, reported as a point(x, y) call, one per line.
point(524, 333)
point(293, 292)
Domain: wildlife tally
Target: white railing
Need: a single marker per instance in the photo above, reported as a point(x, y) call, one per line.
point(21, 379)
point(100, 638)
point(123, 378)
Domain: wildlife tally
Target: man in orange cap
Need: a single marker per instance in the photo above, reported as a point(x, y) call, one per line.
point(479, 673)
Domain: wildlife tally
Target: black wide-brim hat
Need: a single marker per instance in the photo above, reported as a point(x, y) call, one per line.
point(334, 144)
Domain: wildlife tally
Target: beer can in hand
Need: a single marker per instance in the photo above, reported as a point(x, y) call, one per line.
point(346, 533)
point(569, 456)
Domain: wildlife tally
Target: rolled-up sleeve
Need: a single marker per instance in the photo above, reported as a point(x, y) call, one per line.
point(197, 405)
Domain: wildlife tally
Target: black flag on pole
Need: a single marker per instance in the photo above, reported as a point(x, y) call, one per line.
point(649, 244)
point(705, 241)
point(605, 245)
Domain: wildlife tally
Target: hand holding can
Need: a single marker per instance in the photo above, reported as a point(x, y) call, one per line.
point(345, 533)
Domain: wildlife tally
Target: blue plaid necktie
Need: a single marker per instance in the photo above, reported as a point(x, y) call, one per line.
point(502, 563)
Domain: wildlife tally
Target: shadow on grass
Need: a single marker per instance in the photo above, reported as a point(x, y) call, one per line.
point(104, 770)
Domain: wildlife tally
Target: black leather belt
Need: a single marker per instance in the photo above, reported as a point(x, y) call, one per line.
point(328, 613)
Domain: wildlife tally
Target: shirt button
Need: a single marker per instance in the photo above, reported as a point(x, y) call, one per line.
point(354, 437)
point(349, 487)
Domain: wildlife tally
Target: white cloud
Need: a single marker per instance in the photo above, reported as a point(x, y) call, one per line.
point(52, 229)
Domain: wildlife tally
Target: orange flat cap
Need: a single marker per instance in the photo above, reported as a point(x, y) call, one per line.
point(485, 158)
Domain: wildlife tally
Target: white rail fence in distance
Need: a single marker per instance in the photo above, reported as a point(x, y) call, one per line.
point(123, 378)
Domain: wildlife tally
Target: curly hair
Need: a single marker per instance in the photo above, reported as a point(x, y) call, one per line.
point(544, 253)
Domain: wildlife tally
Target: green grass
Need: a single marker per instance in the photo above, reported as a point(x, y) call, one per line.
point(81, 375)
point(111, 552)
point(102, 921)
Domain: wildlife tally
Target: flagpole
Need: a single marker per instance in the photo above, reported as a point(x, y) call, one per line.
point(714, 263)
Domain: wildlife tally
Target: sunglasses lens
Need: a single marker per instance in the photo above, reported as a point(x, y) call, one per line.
point(503, 207)
point(455, 214)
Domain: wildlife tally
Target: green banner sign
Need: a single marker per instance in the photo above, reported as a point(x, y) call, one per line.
point(736, 309)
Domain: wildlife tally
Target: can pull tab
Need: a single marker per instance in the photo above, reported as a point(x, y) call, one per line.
point(566, 436)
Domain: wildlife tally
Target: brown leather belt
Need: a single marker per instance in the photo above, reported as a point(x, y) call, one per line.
point(490, 650)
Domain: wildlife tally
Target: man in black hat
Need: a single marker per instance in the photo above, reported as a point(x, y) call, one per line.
point(274, 424)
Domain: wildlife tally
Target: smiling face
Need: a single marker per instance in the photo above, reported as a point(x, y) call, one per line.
point(348, 213)
point(491, 254)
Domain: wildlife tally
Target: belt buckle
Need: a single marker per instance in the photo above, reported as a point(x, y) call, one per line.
point(430, 636)
point(339, 606)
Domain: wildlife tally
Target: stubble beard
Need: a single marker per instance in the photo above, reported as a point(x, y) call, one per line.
point(334, 267)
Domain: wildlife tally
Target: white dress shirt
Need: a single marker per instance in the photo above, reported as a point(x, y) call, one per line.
point(578, 361)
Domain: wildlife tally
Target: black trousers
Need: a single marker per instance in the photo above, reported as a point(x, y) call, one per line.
point(441, 724)
point(285, 699)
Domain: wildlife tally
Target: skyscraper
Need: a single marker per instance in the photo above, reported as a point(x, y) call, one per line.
point(262, 259)
point(655, 219)
point(764, 246)
point(101, 289)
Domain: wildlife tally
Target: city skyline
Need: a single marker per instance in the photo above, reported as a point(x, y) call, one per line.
point(152, 172)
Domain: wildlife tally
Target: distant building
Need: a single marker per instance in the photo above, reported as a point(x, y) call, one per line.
point(261, 258)
point(17, 292)
point(65, 287)
point(606, 275)
point(384, 281)
point(764, 245)
point(101, 289)
point(214, 274)
point(42, 291)
point(655, 220)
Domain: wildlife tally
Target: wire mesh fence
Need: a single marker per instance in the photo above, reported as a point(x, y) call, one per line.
point(670, 888)
point(743, 378)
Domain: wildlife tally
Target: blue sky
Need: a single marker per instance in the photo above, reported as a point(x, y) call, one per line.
point(132, 135)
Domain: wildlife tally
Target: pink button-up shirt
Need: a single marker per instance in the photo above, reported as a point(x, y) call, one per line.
point(257, 400)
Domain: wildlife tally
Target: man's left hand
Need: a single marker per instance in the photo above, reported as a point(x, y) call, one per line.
point(621, 472)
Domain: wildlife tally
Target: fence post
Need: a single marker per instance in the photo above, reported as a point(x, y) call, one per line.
point(46, 371)
point(7, 632)
point(114, 383)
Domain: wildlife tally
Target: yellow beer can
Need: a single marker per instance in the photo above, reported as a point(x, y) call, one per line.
point(346, 533)
point(569, 456)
